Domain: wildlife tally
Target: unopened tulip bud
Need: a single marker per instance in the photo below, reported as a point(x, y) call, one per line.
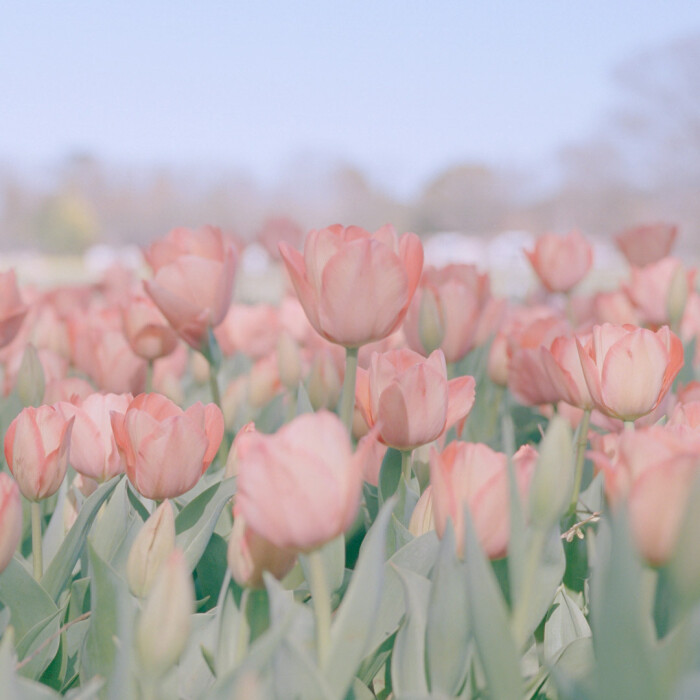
point(325, 384)
point(200, 367)
point(553, 480)
point(10, 519)
point(231, 468)
point(249, 555)
point(234, 402)
point(264, 382)
point(677, 296)
point(151, 549)
point(431, 328)
point(288, 361)
point(30, 383)
point(164, 624)
point(422, 516)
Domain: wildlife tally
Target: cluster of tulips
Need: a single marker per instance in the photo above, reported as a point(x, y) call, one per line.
point(276, 455)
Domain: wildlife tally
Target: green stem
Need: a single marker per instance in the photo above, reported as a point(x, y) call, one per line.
point(523, 601)
point(243, 628)
point(629, 425)
point(36, 541)
point(214, 385)
point(406, 464)
point(347, 401)
point(149, 377)
point(580, 457)
point(322, 605)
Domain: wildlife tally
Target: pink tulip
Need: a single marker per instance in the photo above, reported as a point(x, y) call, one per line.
point(36, 450)
point(561, 262)
point(410, 398)
point(300, 487)
point(355, 287)
point(563, 366)
point(146, 329)
point(166, 449)
point(10, 519)
point(12, 308)
point(193, 283)
point(276, 230)
point(652, 471)
point(473, 475)
point(252, 329)
point(93, 450)
point(644, 245)
point(628, 370)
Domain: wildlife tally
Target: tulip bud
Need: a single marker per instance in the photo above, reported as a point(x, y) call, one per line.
point(431, 328)
point(151, 549)
point(234, 402)
point(231, 468)
point(677, 296)
point(10, 519)
point(422, 516)
point(264, 382)
point(199, 367)
point(324, 384)
point(553, 480)
point(164, 624)
point(30, 383)
point(288, 361)
point(249, 555)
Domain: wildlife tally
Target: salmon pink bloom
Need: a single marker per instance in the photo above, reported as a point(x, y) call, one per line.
point(473, 475)
point(300, 487)
point(10, 519)
point(166, 449)
point(12, 308)
point(36, 450)
point(410, 398)
point(561, 262)
point(355, 287)
point(146, 329)
point(93, 450)
point(629, 370)
point(644, 245)
point(193, 283)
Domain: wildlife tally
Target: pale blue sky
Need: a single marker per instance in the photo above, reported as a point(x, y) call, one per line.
point(400, 88)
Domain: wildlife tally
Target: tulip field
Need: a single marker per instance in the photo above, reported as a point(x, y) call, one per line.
point(390, 483)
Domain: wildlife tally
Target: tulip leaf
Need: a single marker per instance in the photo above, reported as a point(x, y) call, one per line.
point(210, 572)
point(487, 609)
point(371, 494)
point(34, 618)
point(408, 657)
point(359, 691)
point(448, 630)
point(333, 557)
point(295, 675)
point(195, 523)
point(303, 400)
point(389, 475)
point(354, 620)
point(59, 571)
point(565, 624)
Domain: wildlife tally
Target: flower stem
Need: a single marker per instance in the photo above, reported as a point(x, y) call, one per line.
point(36, 540)
point(322, 605)
point(243, 629)
point(580, 457)
point(347, 401)
point(149, 377)
point(214, 385)
point(629, 425)
point(406, 464)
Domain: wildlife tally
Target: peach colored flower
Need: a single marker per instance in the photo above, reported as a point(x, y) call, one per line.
point(410, 398)
point(36, 450)
point(166, 449)
point(10, 519)
point(473, 475)
point(300, 487)
point(12, 308)
point(628, 370)
point(146, 329)
point(561, 262)
point(643, 245)
point(355, 287)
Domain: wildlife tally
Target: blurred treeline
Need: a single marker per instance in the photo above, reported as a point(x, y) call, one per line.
point(642, 164)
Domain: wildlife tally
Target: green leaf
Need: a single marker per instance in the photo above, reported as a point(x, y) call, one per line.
point(352, 627)
point(371, 494)
point(389, 475)
point(195, 523)
point(34, 617)
point(487, 609)
point(8, 660)
point(408, 657)
point(359, 691)
point(303, 400)
point(565, 624)
point(59, 571)
point(448, 629)
point(333, 556)
point(211, 571)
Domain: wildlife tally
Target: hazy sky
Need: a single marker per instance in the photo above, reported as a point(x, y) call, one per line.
point(400, 88)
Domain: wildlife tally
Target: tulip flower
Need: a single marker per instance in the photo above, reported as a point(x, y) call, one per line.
point(93, 449)
point(10, 519)
point(410, 397)
point(561, 262)
point(473, 475)
point(644, 245)
point(36, 449)
point(628, 370)
point(300, 487)
point(146, 329)
point(193, 283)
point(12, 308)
point(355, 287)
point(166, 449)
